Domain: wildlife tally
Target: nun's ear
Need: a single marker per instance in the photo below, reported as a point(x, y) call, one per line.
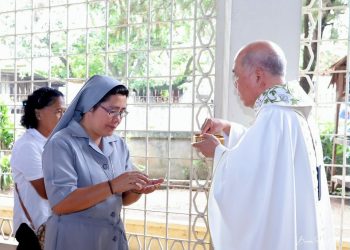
point(37, 114)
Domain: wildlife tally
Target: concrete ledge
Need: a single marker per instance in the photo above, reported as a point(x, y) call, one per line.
point(178, 235)
point(154, 230)
point(5, 246)
point(6, 215)
point(345, 245)
point(9, 244)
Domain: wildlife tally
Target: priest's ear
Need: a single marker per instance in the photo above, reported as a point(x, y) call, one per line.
point(259, 76)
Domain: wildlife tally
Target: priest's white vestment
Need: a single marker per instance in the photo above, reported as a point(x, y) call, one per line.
point(266, 192)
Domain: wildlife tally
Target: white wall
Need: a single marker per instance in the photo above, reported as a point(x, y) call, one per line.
point(240, 22)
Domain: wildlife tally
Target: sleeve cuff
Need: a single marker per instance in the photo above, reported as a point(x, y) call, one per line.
point(60, 194)
point(236, 133)
point(219, 152)
point(35, 177)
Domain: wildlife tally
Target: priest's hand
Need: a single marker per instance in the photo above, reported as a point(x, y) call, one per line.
point(215, 126)
point(207, 145)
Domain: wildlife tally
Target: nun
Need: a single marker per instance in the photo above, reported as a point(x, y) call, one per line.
point(88, 172)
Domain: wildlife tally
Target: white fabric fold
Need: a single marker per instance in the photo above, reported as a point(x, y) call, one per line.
point(264, 190)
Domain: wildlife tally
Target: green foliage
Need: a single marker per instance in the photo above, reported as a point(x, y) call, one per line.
point(59, 70)
point(334, 33)
point(6, 181)
point(338, 191)
point(117, 38)
point(325, 24)
point(164, 93)
point(5, 173)
point(130, 45)
point(137, 64)
point(118, 12)
point(6, 141)
point(185, 172)
point(201, 168)
point(327, 136)
point(207, 6)
point(183, 8)
point(77, 66)
point(96, 65)
point(160, 35)
point(327, 144)
point(161, 11)
point(97, 41)
point(5, 164)
point(6, 128)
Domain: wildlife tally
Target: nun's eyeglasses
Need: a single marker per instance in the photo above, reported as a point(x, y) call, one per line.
point(115, 114)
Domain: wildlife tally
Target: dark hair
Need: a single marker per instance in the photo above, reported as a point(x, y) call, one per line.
point(39, 99)
point(117, 90)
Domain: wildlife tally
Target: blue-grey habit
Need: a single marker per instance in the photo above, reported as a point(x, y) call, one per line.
point(72, 160)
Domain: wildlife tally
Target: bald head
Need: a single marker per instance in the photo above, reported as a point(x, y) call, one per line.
point(265, 54)
point(258, 66)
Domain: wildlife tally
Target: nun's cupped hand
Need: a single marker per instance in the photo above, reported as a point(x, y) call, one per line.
point(129, 180)
point(151, 186)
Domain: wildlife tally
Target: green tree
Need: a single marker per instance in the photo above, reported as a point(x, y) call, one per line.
point(5, 173)
point(309, 30)
point(145, 30)
point(6, 141)
point(6, 127)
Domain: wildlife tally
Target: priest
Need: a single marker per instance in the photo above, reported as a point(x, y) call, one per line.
point(269, 189)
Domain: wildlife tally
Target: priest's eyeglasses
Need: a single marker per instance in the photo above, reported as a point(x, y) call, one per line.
point(235, 79)
point(114, 113)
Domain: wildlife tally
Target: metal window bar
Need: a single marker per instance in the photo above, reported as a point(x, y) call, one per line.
point(196, 48)
point(317, 7)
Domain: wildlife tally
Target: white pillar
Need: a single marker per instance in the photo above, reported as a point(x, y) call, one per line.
point(240, 22)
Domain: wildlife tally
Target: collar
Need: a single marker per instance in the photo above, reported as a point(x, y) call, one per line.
point(288, 95)
point(78, 131)
point(36, 134)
